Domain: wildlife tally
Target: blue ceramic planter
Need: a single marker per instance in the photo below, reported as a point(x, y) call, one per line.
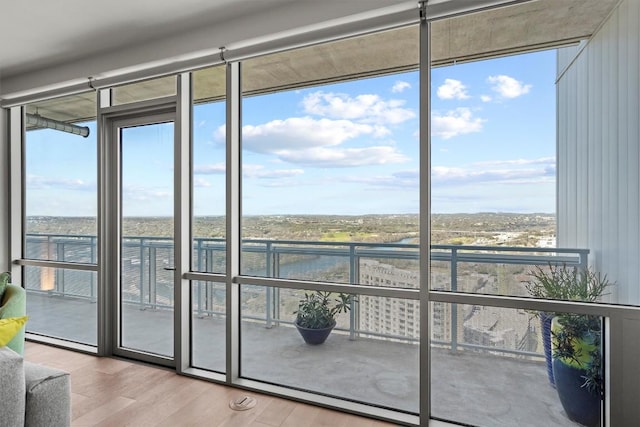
point(315, 336)
point(581, 405)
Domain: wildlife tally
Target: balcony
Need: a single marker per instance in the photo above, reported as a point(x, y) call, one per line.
point(480, 375)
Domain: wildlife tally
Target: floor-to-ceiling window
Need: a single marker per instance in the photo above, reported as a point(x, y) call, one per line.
point(60, 218)
point(208, 204)
point(329, 201)
point(493, 233)
point(330, 195)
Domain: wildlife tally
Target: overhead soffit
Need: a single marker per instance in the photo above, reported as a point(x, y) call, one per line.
point(524, 27)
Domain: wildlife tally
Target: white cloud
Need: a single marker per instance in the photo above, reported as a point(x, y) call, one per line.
point(309, 141)
point(214, 169)
point(402, 179)
point(41, 182)
point(485, 98)
point(456, 122)
point(145, 194)
point(321, 141)
point(452, 89)
point(518, 162)
point(508, 87)
point(365, 108)
point(259, 171)
point(297, 133)
point(248, 171)
point(200, 182)
point(399, 86)
point(344, 157)
point(519, 171)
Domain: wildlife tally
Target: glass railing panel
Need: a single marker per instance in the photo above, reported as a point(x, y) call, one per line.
point(147, 293)
point(369, 357)
point(395, 270)
point(209, 255)
point(66, 248)
point(208, 326)
point(257, 259)
point(61, 303)
point(493, 360)
point(146, 272)
point(317, 267)
point(557, 274)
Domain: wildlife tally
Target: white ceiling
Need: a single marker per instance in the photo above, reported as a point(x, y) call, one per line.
point(45, 32)
point(54, 43)
point(41, 33)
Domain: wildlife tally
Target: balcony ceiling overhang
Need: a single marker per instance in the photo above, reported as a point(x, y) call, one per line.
point(523, 27)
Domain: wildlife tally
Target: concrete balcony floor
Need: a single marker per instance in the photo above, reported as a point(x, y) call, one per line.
point(478, 389)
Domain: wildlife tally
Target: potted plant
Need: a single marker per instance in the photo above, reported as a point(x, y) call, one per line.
point(575, 339)
point(315, 317)
point(548, 285)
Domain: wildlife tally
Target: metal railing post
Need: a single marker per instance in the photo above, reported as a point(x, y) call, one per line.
point(142, 263)
point(584, 258)
point(199, 282)
point(276, 306)
point(94, 244)
point(454, 307)
point(353, 266)
point(59, 276)
point(152, 277)
point(269, 290)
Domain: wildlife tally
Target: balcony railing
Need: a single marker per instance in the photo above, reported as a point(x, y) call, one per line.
point(147, 282)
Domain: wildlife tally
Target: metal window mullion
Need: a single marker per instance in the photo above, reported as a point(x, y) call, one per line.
point(233, 216)
point(17, 144)
point(108, 232)
point(56, 264)
point(535, 304)
point(182, 223)
point(425, 216)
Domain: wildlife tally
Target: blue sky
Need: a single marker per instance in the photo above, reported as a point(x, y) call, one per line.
point(346, 148)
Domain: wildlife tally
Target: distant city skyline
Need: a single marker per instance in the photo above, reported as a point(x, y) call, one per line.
point(346, 148)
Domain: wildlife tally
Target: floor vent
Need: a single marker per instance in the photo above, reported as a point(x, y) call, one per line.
point(242, 403)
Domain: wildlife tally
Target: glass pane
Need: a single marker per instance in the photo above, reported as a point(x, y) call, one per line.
point(372, 355)
point(145, 90)
point(60, 174)
point(208, 342)
point(330, 169)
point(209, 165)
point(493, 360)
point(61, 303)
point(493, 188)
point(147, 238)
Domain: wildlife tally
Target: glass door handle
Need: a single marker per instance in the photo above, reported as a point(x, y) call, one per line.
point(169, 268)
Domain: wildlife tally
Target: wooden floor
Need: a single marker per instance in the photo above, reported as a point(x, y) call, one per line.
point(111, 392)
